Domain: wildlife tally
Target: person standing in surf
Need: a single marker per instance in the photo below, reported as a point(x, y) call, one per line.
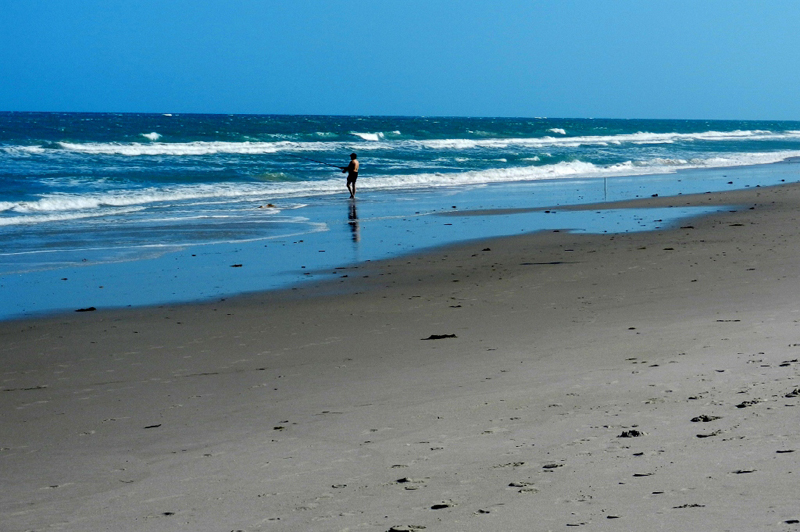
point(352, 174)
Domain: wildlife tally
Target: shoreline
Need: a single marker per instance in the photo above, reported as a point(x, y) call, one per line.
point(373, 228)
point(566, 397)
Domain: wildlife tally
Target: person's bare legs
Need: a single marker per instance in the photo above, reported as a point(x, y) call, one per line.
point(351, 187)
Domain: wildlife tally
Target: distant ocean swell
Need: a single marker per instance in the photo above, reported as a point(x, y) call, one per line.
point(375, 141)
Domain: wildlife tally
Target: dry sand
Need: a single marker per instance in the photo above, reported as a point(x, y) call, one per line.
point(641, 381)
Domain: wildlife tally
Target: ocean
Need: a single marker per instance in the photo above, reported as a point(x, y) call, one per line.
point(113, 196)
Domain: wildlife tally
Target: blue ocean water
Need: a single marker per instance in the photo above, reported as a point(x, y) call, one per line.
point(81, 190)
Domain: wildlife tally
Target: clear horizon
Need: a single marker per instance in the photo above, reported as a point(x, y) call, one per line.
point(554, 118)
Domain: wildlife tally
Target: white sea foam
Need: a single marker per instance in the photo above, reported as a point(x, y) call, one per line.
point(23, 151)
point(478, 177)
point(65, 206)
point(660, 161)
point(572, 169)
point(197, 148)
point(372, 137)
point(63, 216)
point(605, 140)
point(376, 141)
point(151, 136)
point(557, 130)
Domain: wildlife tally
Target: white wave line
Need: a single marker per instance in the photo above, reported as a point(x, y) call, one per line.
point(375, 141)
point(92, 205)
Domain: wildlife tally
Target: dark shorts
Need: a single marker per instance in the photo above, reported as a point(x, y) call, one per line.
point(351, 178)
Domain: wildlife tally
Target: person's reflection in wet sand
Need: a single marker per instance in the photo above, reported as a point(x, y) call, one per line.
point(353, 217)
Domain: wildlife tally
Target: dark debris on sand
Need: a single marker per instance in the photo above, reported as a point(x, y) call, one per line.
point(439, 336)
point(631, 434)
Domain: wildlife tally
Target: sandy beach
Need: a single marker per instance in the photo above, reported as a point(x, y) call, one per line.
point(643, 381)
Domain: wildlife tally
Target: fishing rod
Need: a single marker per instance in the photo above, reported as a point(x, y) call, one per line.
point(314, 161)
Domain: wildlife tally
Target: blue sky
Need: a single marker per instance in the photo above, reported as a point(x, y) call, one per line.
point(711, 59)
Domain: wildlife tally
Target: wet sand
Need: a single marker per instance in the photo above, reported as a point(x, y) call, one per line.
point(642, 381)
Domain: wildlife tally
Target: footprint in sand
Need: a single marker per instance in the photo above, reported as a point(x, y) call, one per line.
point(410, 484)
point(745, 404)
point(442, 505)
point(510, 464)
point(631, 434)
point(705, 419)
point(710, 435)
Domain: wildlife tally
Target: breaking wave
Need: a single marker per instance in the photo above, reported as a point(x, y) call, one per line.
point(58, 206)
point(372, 141)
point(371, 137)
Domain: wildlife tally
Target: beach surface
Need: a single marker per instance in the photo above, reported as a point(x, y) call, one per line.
point(638, 381)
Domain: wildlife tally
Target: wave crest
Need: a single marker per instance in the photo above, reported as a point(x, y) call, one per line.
point(391, 140)
point(371, 137)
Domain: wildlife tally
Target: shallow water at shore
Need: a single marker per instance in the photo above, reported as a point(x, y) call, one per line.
point(378, 225)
